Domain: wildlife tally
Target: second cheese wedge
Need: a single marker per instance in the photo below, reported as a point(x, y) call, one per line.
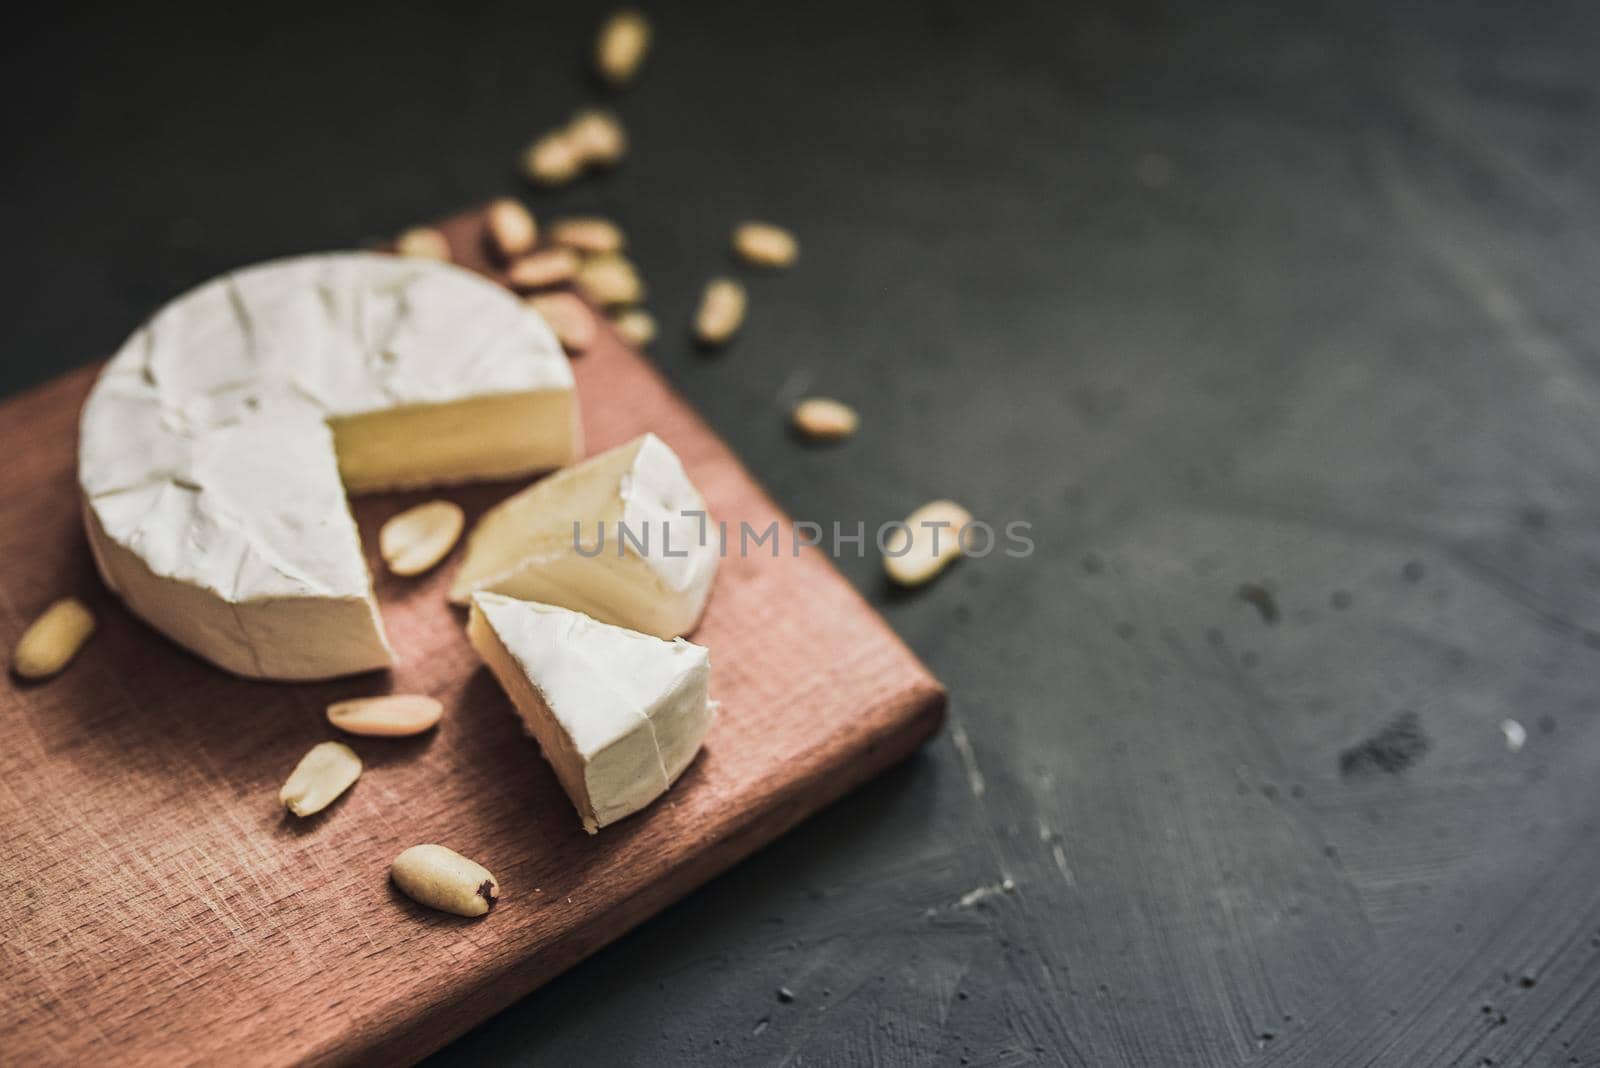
point(623, 537)
point(619, 714)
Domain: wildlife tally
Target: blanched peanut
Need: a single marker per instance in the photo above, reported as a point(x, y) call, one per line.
point(327, 771)
point(542, 269)
point(825, 419)
point(53, 639)
point(721, 311)
point(621, 46)
point(552, 160)
point(929, 543)
point(512, 230)
point(637, 326)
point(424, 242)
point(765, 245)
point(569, 318)
point(598, 137)
point(443, 879)
point(590, 236)
point(418, 538)
point(395, 715)
point(610, 280)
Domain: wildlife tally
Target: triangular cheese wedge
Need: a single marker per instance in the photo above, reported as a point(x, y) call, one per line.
point(619, 714)
point(623, 537)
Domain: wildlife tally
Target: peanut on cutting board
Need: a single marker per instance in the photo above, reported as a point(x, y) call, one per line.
point(395, 715)
point(443, 879)
point(52, 640)
point(424, 242)
point(721, 312)
point(588, 235)
point(327, 771)
point(570, 319)
point(765, 245)
point(610, 280)
point(825, 419)
point(637, 326)
point(929, 542)
point(542, 269)
point(620, 47)
point(418, 538)
point(512, 229)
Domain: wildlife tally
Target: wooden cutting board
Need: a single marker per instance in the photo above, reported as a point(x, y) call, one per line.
point(158, 907)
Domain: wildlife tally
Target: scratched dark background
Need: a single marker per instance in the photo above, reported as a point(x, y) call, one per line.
point(1301, 298)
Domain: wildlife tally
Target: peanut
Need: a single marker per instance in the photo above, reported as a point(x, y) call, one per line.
point(598, 137)
point(620, 47)
point(916, 552)
point(53, 639)
point(327, 771)
point(424, 242)
point(542, 269)
point(610, 280)
point(765, 245)
point(395, 715)
point(588, 235)
point(592, 138)
point(443, 879)
point(721, 311)
point(552, 160)
point(824, 419)
point(637, 326)
point(418, 538)
point(569, 318)
point(512, 230)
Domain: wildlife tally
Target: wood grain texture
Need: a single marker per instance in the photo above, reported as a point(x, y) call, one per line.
point(159, 907)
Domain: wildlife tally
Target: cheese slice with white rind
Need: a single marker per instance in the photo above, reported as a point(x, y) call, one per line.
point(623, 537)
point(618, 714)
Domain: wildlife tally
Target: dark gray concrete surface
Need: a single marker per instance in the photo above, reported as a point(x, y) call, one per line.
point(1300, 296)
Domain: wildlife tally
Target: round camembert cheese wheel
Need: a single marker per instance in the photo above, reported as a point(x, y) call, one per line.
point(218, 446)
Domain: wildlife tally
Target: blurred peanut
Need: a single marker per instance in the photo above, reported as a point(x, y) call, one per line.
point(621, 46)
point(512, 230)
point(542, 269)
point(721, 312)
point(825, 419)
point(424, 242)
point(590, 236)
point(637, 326)
point(765, 245)
point(52, 640)
point(570, 319)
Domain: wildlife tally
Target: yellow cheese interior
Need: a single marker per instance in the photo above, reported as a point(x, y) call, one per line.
point(539, 521)
point(482, 439)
